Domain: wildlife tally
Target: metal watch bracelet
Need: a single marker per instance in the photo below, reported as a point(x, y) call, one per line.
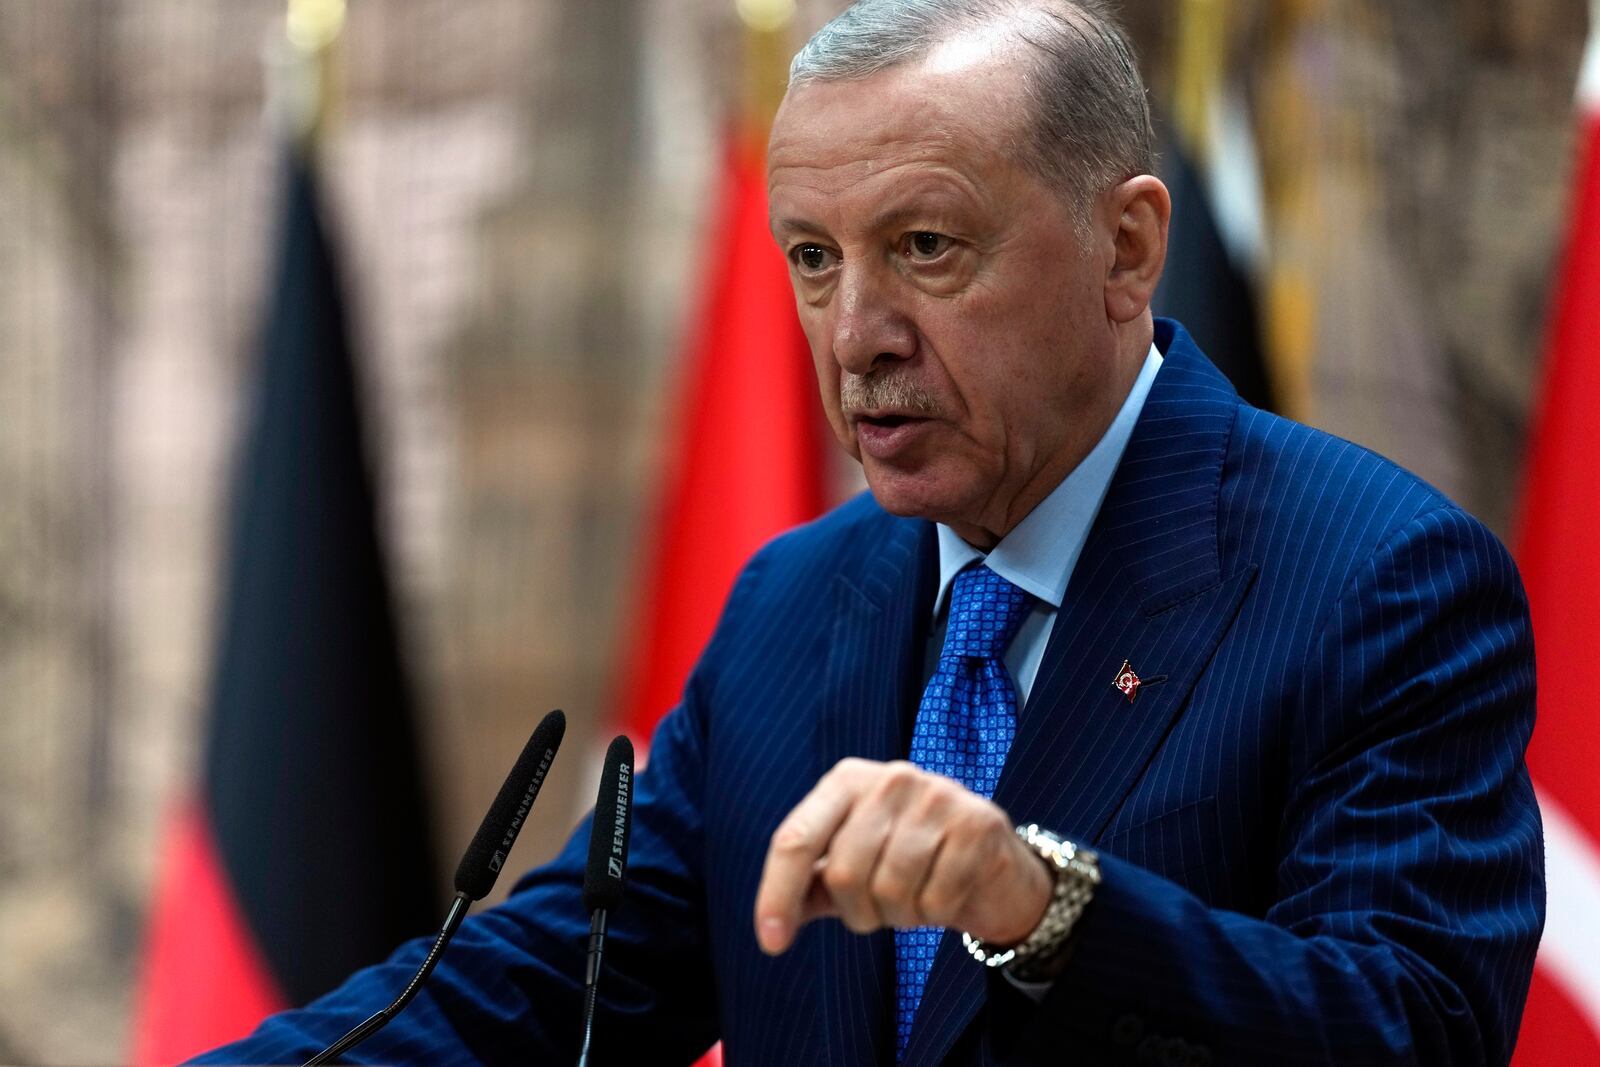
point(1075, 872)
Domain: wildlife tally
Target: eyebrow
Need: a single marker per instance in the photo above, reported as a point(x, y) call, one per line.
point(790, 224)
point(892, 217)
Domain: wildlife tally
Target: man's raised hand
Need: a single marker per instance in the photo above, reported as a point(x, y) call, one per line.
point(889, 844)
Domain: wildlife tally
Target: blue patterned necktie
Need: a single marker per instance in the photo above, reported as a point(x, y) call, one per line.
point(964, 730)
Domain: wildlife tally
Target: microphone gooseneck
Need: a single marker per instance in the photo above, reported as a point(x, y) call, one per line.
point(479, 868)
point(377, 1021)
point(606, 874)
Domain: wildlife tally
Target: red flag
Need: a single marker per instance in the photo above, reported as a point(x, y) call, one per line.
point(203, 981)
point(1559, 553)
point(744, 460)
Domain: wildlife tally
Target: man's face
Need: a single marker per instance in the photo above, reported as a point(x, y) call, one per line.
point(955, 315)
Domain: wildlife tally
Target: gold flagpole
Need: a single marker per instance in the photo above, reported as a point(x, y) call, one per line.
point(1199, 58)
point(1292, 136)
point(767, 49)
point(312, 29)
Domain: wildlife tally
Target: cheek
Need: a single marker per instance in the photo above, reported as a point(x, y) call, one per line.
point(822, 360)
point(827, 385)
point(967, 345)
point(828, 391)
point(814, 323)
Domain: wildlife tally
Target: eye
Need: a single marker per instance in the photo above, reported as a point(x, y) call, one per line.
point(925, 245)
point(811, 259)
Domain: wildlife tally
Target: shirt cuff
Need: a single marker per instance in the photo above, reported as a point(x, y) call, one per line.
point(1034, 991)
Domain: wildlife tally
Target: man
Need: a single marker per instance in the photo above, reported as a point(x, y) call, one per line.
point(1262, 695)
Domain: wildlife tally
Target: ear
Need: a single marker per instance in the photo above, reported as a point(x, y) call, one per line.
point(1138, 211)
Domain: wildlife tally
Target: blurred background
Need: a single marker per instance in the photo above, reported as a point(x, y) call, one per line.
point(530, 207)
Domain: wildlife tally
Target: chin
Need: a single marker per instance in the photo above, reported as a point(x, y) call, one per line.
point(912, 496)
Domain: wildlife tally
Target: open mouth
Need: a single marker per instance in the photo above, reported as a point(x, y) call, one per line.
point(887, 422)
point(886, 436)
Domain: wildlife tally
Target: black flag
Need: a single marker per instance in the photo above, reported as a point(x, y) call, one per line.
point(312, 774)
point(1204, 288)
point(307, 854)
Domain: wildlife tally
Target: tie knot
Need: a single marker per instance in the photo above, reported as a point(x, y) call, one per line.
point(985, 612)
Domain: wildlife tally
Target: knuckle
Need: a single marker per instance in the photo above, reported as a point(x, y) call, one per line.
point(858, 920)
point(902, 771)
point(841, 879)
point(938, 906)
point(849, 768)
point(981, 823)
point(962, 827)
point(895, 782)
point(890, 885)
point(932, 808)
point(791, 837)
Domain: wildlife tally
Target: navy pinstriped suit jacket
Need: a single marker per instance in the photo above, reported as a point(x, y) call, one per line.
point(1319, 840)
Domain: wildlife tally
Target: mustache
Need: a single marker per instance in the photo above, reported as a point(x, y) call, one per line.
point(874, 392)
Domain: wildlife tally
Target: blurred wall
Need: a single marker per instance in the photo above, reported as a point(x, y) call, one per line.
point(513, 184)
point(518, 187)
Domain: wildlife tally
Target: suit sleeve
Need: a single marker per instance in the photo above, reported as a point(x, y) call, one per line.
point(1409, 892)
point(508, 989)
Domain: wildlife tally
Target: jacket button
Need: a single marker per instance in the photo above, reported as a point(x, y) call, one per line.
point(1128, 1030)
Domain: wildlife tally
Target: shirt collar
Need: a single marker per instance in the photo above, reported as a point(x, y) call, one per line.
point(1039, 554)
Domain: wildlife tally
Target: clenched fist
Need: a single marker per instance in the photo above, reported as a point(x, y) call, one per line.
point(889, 844)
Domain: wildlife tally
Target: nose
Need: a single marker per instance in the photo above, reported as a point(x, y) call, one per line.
point(869, 328)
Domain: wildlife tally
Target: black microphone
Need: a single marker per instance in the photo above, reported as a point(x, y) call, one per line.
point(606, 874)
point(481, 864)
point(479, 867)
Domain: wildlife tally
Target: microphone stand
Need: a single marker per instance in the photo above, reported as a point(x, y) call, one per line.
point(458, 911)
point(604, 877)
point(479, 867)
point(591, 979)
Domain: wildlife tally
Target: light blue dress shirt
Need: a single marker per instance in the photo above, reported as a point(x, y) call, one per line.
point(1039, 554)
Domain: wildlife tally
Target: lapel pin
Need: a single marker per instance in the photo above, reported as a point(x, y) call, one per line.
point(1127, 682)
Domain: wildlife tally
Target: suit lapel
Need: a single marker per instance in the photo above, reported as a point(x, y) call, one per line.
point(874, 665)
point(1148, 589)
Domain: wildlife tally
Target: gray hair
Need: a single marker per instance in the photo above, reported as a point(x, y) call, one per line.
point(1091, 125)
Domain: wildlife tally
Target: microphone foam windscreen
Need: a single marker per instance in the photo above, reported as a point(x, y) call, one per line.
point(608, 836)
point(492, 843)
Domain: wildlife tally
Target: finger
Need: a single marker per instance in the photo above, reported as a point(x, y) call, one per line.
point(966, 860)
point(908, 858)
point(903, 871)
point(798, 843)
point(853, 857)
point(818, 903)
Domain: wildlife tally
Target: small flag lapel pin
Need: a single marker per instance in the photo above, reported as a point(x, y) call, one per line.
point(1127, 682)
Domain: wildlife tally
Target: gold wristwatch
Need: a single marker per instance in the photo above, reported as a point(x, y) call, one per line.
point(1075, 873)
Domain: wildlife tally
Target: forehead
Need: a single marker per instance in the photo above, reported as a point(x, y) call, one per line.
point(960, 111)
